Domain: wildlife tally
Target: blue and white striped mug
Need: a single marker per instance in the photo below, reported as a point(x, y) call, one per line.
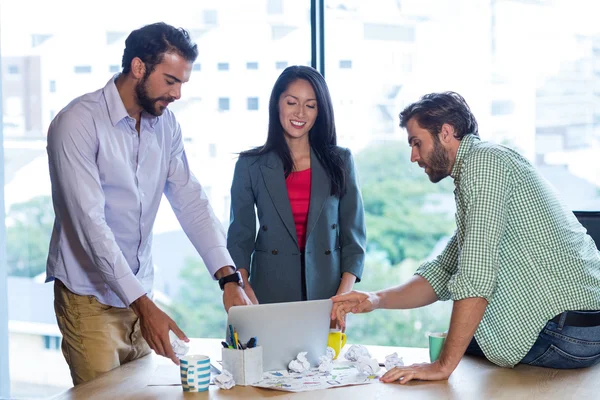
point(195, 373)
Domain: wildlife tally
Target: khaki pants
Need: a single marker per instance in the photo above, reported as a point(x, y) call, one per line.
point(96, 337)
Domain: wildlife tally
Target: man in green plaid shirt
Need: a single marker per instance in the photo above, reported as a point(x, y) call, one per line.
point(522, 272)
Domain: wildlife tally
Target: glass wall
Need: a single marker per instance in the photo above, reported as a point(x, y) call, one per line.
point(49, 57)
point(528, 69)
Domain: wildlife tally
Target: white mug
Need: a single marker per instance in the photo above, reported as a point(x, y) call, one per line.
point(195, 373)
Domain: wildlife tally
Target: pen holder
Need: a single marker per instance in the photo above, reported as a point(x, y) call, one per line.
point(246, 366)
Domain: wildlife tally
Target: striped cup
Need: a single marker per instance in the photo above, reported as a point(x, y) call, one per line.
point(195, 373)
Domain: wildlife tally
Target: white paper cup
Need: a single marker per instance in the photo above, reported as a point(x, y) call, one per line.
point(195, 373)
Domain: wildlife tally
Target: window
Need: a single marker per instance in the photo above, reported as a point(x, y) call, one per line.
point(345, 64)
point(223, 103)
point(397, 33)
point(252, 103)
point(379, 56)
point(52, 342)
point(212, 150)
point(205, 112)
point(28, 109)
point(210, 17)
point(82, 69)
point(502, 107)
point(275, 6)
point(550, 119)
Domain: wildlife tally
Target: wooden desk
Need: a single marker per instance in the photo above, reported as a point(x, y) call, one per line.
point(473, 379)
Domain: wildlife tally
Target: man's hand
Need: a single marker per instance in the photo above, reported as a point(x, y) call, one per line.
point(424, 372)
point(234, 295)
point(355, 302)
point(155, 326)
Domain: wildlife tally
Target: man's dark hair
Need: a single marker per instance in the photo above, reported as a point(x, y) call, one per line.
point(151, 42)
point(436, 109)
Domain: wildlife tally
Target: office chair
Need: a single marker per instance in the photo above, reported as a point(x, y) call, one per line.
point(591, 221)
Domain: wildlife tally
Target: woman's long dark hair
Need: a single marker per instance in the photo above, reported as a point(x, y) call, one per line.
point(322, 136)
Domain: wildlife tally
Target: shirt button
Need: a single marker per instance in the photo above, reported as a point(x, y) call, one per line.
point(333, 226)
point(274, 252)
point(327, 252)
point(264, 228)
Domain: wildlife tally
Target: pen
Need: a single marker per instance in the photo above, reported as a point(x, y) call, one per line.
point(231, 334)
point(225, 345)
point(236, 344)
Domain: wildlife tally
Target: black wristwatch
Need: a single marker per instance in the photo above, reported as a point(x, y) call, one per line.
point(235, 277)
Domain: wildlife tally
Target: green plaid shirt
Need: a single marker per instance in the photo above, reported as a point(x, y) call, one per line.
point(516, 245)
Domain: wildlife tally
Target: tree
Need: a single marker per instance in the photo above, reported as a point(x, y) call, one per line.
point(405, 213)
point(407, 328)
point(198, 305)
point(28, 230)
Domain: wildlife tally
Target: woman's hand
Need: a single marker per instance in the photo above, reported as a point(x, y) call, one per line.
point(247, 287)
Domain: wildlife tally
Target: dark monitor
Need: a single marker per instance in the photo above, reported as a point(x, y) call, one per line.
point(590, 221)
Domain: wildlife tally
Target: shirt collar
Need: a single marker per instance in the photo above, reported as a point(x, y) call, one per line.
point(464, 148)
point(116, 108)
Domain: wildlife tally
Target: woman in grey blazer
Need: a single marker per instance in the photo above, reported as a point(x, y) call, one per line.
point(310, 242)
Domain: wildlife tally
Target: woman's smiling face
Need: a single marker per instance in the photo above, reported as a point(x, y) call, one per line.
point(298, 109)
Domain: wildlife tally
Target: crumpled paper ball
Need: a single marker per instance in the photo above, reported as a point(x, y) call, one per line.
point(392, 361)
point(325, 363)
point(224, 380)
point(367, 365)
point(180, 348)
point(330, 352)
point(355, 351)
point(326, 360)
point(300, 364)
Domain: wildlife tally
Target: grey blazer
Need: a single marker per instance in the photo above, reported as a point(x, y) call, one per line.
point(335, 235)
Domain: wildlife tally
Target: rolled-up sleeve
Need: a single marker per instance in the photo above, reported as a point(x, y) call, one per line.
point(484, 194)
point(439, 271)
point(352, 223)
point(192, 208)
point(79, 201)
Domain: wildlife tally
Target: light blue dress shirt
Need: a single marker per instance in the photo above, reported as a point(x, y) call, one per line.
point(107, 183)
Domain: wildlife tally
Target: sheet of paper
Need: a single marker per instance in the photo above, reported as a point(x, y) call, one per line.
point(344, 373)
point(165, 375)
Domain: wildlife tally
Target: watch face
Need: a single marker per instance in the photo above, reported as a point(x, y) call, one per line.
point(240, 281)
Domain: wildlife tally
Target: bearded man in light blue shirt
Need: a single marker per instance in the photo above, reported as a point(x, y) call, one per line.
point(112, 154)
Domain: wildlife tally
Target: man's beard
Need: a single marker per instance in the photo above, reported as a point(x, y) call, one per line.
point(438, 162)
point(147, 103)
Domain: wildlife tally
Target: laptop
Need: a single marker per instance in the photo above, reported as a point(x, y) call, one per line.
point(284, 329)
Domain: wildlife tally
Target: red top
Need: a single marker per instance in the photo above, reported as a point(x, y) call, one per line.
point(298, 188)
